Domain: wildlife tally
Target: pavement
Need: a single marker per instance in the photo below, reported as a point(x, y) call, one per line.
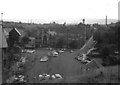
point(64, 64)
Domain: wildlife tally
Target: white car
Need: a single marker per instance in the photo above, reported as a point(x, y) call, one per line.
point(49, 54)
point(44, 77)
point(50, 48)
point(53, 53)
point(71, 51)
point(60, 51)
point(64, 49)
point(30, 51)
point(56, 76)
point(24, 50)
point(44, 59)
point(20, 78)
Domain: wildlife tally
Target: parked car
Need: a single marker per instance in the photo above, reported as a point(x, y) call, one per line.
point(44, 59)
point(71, 51)
point(116, 53)
point(78, 58)
point(44, 77)
point(49, 54)
point(50, 48)
point(60, 51)
point(19, 79)
point(24, 50)
point(53, 53)
point(64, 49)
point(56, 76)
point(30, 51)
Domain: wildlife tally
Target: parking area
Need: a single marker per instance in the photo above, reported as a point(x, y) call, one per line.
point(64, 64)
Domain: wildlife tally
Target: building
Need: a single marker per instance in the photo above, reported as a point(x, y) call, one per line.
point(45, 38)
point(14, 37)
point(3, 41)
point(92, 65)
point(19, 30)
point(3, 44)
point(31, 43)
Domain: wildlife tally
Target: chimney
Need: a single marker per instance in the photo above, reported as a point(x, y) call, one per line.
point(106, 21)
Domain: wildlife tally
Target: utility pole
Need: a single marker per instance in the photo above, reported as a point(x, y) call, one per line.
point(1, 16)
point(106, 21)
point(67, 35)
point(85, 33)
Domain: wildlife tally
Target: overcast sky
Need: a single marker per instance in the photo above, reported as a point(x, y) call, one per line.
point(52, 10)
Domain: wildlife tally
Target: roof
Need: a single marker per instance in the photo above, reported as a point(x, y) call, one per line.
point(93, 65)
point(20, 31)
point(17, 31)
point(6, 33)
point(3, 41)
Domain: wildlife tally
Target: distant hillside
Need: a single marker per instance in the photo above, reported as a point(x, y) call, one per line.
point(101, 21)
point(69, 21)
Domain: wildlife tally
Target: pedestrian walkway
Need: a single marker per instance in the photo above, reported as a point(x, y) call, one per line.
point(87, 46)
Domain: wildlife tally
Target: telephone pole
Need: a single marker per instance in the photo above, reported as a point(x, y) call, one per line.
point(1, 16)
point(85, 32)
point(106, 21)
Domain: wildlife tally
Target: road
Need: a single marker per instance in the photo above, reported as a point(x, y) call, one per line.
point(64, 64)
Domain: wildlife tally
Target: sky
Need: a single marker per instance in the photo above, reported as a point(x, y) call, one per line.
point(58, 10)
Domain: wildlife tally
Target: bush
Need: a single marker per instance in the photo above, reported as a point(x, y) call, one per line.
point(105, 52)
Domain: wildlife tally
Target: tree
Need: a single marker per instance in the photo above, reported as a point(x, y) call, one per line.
point(32, 32)
point(25, 40)
point(73, 44)
point(105, 54)
point(61, 43)
point(105, 51)
point(97, 37)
